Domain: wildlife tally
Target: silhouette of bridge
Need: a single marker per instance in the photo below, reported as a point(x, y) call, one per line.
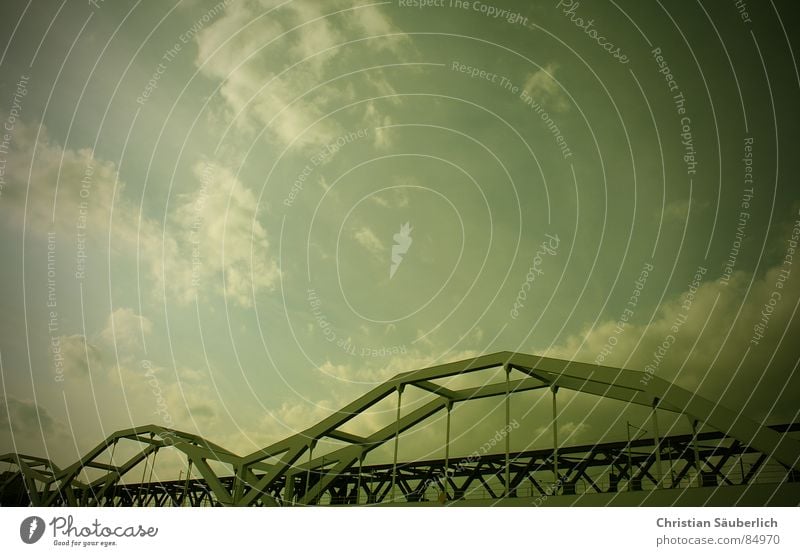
point(734, 461)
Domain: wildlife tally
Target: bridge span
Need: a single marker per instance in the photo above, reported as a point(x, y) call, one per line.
point(728, 459)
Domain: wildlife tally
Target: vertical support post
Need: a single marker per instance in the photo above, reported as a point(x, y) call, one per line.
point(288, 489)
point(144, 474)
point(396, 438)
point(110, 461)
point(630, 459)
point(311, 446)
point(741, 466)
point(557, 479)
point(144, 470)
point(507, 492)
point(657, 444)
point(360, 471)
point(150, 478)
point(669, 463)
point(238, 484)
point(449, 407)
point(186, 484)
point(697, 465)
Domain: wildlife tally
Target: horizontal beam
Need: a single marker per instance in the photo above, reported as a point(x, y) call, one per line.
point(346, 437)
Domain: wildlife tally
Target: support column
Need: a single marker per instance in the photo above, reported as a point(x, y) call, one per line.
point(311, 447)
point(186, 485)
point(697, 465)
point(449, 407)
point(288, 489)
point(396, 438)
point(507, 492)
point(141, 483)
point(360, 471)
point(657, 445)
point(630, 459)
point(150, 478)
point(554, 389)
point(238, 484)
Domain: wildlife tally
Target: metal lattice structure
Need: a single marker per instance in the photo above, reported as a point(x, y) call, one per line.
point(288, 473)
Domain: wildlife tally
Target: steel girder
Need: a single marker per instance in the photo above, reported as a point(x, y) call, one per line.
point(54, 486)
point(719, 460)
point(30, 481)
point(271, 475)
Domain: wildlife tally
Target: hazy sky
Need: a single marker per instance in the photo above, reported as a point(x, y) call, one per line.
point(232, 218)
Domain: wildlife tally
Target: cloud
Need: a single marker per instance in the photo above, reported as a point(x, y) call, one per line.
point(298, 416)
point(25, 418)
point(233, 50)
point(71, 192)
point(219, 226)
point(65, 187)
point(202, 411)
point(124, 332)
point(376, 370)
point(373, 21)
point(713, 352)
point(542, 86)
point(119, 341)
point(358, 373)
point(208, 235)
point(243, 89)
point(381, 137)
point(392, 198)
point(80, 356)
point(379, 200)
point(345, 382)
point(679, 210)
point(367, 239)
point(176, 396)
point(571, 432)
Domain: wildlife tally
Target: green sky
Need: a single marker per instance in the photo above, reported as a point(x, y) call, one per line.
point(200, 202)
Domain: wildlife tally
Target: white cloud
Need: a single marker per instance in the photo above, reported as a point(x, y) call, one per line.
point(80, 356)
point(244, 91)
point(542, 86)
point(680, 209)
point(177, 397)
point(90, 200)
point(713, 353)
point(373, 22)
point(219, 228)
point(72, 191)
point(243, 88)
point(124, 331)
point(367, 239)
point(61, 182)
point(381, 137)
point(392, 198)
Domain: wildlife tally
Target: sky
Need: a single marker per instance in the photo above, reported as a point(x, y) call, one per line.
point(234, 217)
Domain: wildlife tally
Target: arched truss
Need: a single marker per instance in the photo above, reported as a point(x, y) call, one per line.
point(271, 475)
point(48, 485)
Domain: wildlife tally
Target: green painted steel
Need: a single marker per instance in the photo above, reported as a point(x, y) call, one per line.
point(260, 475)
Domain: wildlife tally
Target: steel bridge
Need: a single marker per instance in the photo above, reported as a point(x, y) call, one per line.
point(735, 460)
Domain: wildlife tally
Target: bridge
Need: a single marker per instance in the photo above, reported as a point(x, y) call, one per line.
point(733, 461)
